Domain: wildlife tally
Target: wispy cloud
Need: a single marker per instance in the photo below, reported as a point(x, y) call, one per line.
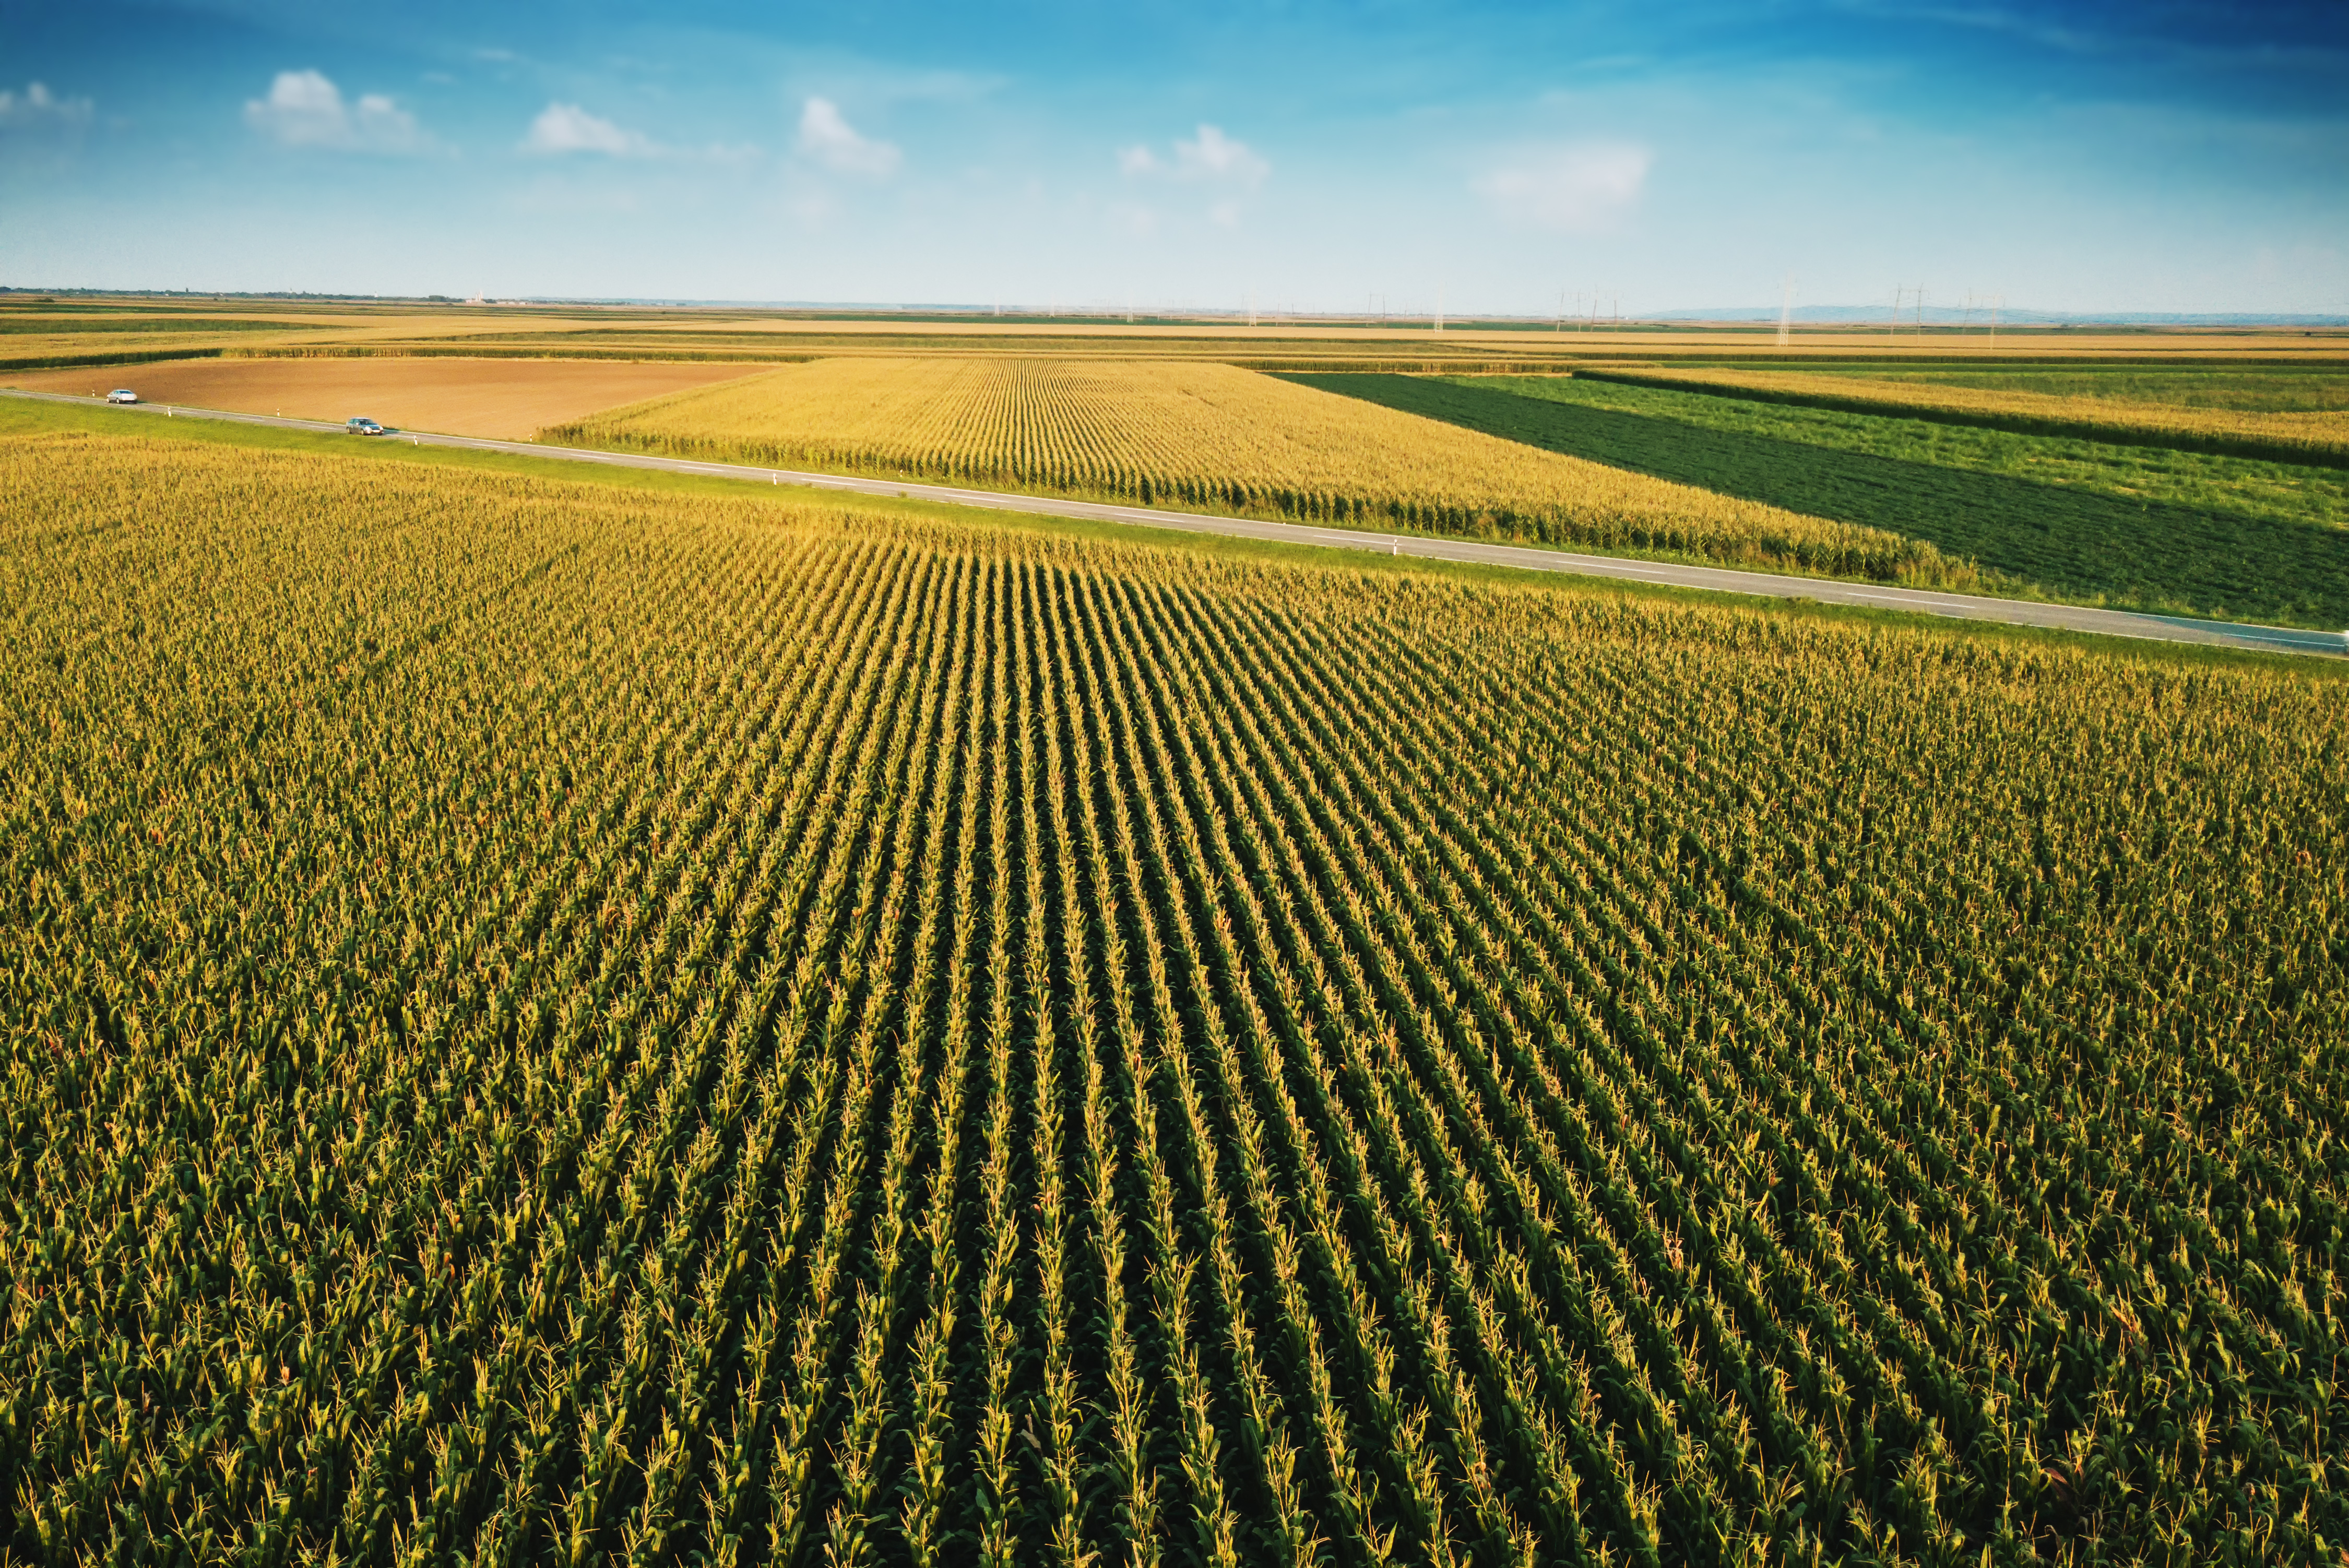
point(564, 128)
point(306, 109)
point(1581, 188)
point(1210, 157)
point(1224, 169)
point(37, 107)
point(827, 138)
point(2020, 22)
point(1214, 156)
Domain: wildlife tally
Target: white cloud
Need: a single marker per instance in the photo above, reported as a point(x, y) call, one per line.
point(1214, 156)
point(1589, 186)
point(304, 110)
point(37, 107)
point(1209, 158)
point(827, 137)
point(562, 128)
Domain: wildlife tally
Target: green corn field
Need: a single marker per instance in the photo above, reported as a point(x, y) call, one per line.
point(554, 1023)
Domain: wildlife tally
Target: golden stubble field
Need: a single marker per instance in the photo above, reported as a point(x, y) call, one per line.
point(511, 400)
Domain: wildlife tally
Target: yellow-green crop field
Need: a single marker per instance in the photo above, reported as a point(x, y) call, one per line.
point(555, 1022)
point(1191, 435)
point(2008, 400)
point(2314, 387)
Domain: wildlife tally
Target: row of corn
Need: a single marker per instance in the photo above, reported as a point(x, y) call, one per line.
point(542, 1022)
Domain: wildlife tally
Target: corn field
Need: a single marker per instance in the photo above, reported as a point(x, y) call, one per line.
point(548, 1023)
point(1214, 436)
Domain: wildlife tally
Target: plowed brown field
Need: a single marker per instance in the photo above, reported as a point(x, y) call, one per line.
point(508, 398)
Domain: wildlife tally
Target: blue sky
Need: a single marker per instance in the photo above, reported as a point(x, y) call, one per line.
point(2163, 157)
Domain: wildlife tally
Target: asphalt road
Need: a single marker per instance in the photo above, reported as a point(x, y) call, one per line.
point(1719, 579)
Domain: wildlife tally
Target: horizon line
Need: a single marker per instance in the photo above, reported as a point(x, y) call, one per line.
point(1845, 315)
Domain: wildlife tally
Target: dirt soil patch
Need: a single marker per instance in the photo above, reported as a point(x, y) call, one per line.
point(511, 399)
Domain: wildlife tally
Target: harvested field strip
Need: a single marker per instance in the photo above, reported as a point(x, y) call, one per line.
point(600, 1025)
point(1193, 435)
point(507, 399)
point(2321, 438)
point(2073, 543)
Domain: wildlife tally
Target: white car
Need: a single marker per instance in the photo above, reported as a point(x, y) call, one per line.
point(122, 394)
point(363, 426)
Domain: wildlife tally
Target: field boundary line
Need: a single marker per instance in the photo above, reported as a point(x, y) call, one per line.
point(2079, 618)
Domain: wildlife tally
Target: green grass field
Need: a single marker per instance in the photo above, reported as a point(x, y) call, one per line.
point(2319, 438)
point(645, 1021)
point(2283, 492)
point(2182, 533)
